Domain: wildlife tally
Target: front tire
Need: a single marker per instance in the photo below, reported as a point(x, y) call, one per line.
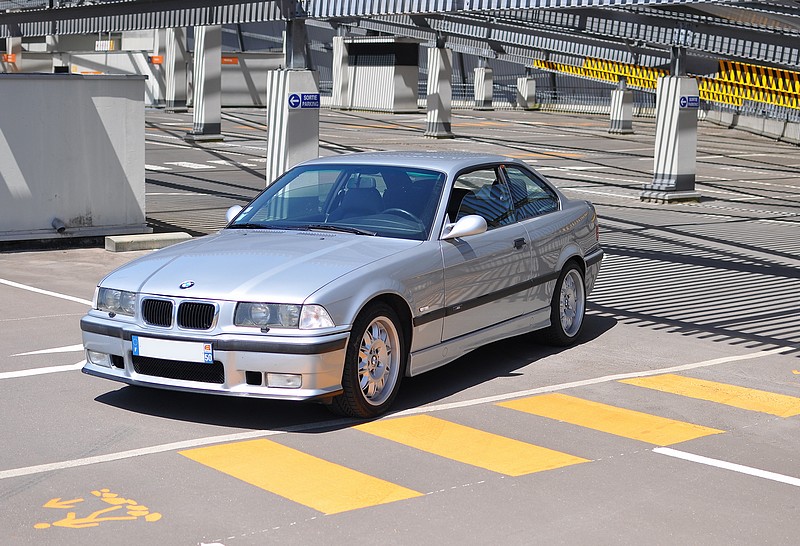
point(568, 307)
point(374, 364)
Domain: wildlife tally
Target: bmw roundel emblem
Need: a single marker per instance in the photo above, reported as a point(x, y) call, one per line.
point(186, 284)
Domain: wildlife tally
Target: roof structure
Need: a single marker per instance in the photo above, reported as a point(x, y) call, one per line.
point(637, 32)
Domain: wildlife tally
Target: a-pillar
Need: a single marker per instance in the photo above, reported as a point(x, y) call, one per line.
point(674, 166)
point(206, 97)
point(440, 93)
point(340, 96)
point(292, 119)
point(621, 110)
point(175, 70)
point(526, 93)
point(14, 54)
point(484, 83)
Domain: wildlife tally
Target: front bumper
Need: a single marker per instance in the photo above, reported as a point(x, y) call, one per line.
point(239, 366)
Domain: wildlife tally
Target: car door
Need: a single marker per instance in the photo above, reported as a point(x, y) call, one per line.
point(536, 207)
point(485, 275)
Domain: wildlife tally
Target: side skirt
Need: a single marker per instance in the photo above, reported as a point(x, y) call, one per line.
point(447, 351)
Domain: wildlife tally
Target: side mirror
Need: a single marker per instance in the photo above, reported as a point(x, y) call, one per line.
point(233, 212)
point(468, 225)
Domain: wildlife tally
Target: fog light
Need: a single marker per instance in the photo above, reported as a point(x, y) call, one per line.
point(284, 380)
point(99, 359)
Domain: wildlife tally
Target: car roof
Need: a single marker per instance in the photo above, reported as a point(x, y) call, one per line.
point(441, 161)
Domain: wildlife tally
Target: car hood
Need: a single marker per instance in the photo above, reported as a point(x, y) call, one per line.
point(253, 265)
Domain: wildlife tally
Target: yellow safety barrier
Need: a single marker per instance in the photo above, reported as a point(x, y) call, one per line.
point(734, 83)
point(641, 77)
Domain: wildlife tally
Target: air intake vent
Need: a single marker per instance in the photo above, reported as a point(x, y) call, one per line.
point(157, 312)
point(196, 316)
point(182, 371)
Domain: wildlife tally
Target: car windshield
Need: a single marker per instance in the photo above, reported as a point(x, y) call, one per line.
point(398, 202)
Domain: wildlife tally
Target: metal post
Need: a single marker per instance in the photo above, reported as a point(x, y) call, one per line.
point(440, 93)
point(341, 96)
point(207, 100)
point(674, 166)
point(175, 70)
point(621, 109)
point(484, 85)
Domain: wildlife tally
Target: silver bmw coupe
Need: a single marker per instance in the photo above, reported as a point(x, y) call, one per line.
point(347, 274)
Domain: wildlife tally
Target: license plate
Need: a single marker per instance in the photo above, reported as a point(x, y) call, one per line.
point(186, 351)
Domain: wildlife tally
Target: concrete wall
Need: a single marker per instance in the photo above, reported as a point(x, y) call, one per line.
point(135, 63)
point(244, 77)
point(71, 148)
point(777, 129)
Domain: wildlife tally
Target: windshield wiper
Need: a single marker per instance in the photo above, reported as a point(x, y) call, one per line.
point(343, 229)
point(247, 226)
point(258, 226)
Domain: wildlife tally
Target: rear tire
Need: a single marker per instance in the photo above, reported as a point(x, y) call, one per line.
point(568, 307)
point(375, 362)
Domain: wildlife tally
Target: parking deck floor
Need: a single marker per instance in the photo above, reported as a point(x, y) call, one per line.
point(693, 331)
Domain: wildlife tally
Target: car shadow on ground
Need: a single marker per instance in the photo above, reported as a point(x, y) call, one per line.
point(258, 414)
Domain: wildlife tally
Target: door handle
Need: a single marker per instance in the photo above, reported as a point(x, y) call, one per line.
point(519, 243)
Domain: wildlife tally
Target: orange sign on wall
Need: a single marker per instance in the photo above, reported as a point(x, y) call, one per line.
point(156, 59)
point(230, 60)
point(9, 57)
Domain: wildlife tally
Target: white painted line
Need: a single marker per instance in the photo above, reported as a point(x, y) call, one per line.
point(45, 292)
point(156, 168)
point(190, 165)
point(720, 192)
point(227, 163)
point(67, 349)
point(169, 145)
point(25, 471)
point(753, 198)
point(582, 168)
point(182, 193)
point(41, 371)
point(594, 381)
point(750, 471)
point(162, 448)
point(175, 446)
point(784, 222)
point(593, 192)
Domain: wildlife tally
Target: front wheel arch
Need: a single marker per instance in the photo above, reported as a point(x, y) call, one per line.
point(376, 358)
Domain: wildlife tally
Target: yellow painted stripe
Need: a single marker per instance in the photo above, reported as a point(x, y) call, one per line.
point(611, 419)
point(300, 477)
point(730, 395)
point(470, 446)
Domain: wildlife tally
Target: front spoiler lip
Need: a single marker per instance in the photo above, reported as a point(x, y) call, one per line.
point(313, 396)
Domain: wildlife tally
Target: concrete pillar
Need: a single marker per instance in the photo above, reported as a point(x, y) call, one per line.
point(440, 93)
point(621, 110)
point(484, 83)
point(674, 167)
point(175, 70)
point(207, 100)
point(12, 59)
point(341, 95)
point(292, 119)
point(526, 93)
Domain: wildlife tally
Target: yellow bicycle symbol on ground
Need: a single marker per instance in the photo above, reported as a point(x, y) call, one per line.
point(119, 509)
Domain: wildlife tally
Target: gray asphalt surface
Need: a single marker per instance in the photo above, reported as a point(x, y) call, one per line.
point(706, 291)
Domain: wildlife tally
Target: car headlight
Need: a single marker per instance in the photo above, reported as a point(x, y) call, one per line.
point(276, 315)
point(119, 302)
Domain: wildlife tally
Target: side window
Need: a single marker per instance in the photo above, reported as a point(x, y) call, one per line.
point(485, 194)
point(532, 197)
